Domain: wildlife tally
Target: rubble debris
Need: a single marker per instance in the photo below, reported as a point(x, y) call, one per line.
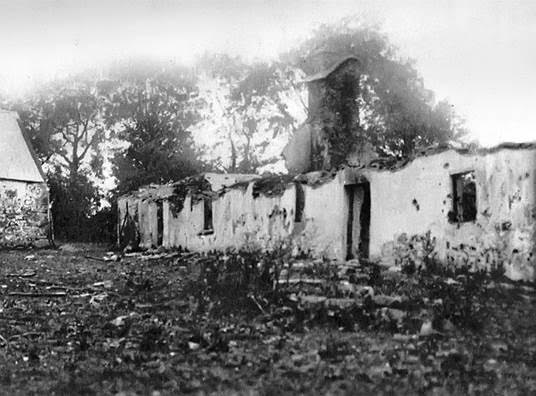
point(69, 248)
point(26, 274)
point(191, 330)
point(96, 258)
point(24, 294)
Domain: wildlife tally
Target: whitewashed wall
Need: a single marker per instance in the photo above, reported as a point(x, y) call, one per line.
point(408, 201)
point(505, 188)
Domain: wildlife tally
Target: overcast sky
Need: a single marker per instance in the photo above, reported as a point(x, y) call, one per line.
point(480, 55)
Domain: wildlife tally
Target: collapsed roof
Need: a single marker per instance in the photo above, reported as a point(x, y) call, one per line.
point(213, 184)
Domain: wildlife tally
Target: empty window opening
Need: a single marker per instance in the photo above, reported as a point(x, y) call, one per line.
point(463, 197)
point(300, 203)
point(160, 222)
point(207, 215)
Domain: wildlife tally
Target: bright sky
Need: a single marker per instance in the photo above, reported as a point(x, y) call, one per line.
point(481, 55)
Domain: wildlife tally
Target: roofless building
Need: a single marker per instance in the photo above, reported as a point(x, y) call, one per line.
point(458, 206)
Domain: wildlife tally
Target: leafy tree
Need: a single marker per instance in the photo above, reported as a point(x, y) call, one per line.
point(248, 108)
point(64, 122)
point(65, 125)
point(37, 128)
point(75, 201)
point(257, 102)
point(396, 113)
point(152, 111)
point(251, 105)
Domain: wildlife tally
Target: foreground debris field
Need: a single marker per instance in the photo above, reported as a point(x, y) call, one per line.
point(72, 323)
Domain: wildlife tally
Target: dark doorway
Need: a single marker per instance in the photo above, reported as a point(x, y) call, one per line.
point(129, 232)
point(160, 222)
point(364, 219)
point(300, 203)
point(358, 224)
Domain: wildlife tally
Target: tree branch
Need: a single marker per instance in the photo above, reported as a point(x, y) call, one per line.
point(88, 146)
point(69, 162)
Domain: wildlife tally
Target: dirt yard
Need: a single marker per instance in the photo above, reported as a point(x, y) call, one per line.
point(71, 323)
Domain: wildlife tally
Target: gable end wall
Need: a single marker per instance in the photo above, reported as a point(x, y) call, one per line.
point(24, 218)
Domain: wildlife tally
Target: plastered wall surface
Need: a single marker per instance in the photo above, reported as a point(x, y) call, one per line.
point(405, 203)
point(417, 199)
point(238, 219)
point(241, 219)
point(325, 214)
point(147, 217)
point(23, 214)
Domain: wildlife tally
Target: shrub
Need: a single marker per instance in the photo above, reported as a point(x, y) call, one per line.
point(244, 280)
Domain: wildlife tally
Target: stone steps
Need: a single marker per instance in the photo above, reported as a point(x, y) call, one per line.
point(335, 285)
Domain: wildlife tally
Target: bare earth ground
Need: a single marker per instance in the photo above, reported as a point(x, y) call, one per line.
point(75, 325)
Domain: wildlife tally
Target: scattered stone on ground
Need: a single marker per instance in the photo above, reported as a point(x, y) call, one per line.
point(172, 322)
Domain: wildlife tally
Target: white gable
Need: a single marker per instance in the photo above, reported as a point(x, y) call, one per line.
point(16, 160)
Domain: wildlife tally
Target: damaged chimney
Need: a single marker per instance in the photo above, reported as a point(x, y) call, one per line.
point(334, 113)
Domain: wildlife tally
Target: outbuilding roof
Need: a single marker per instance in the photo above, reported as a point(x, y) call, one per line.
point(17, 161)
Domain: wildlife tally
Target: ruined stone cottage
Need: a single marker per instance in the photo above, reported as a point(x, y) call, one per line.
point(24, 209)
point(459, 206)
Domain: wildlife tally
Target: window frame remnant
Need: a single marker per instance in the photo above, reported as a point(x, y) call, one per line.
point(464, 200)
